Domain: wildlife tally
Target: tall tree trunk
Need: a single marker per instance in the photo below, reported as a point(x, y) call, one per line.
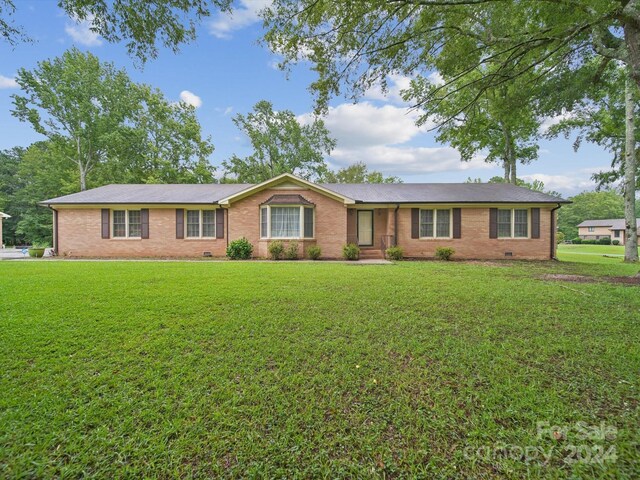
point(514, 161)
point(631, 227)
point(81, 166)
point(507, 169)
point(509, 155)
point(631, 27)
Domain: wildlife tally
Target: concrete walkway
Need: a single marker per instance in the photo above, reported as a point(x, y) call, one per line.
point(11, 254)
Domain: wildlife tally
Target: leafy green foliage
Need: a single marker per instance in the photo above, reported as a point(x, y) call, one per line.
point(314, 252)
point(358, 173)
point(560, 237)
point(276, 249)
point(291, 251)
point(240, 249)
point(111, 126)
point(351, 251)
point(444, 253)
point(235, 373)
point(394, 253)
point(281, 145)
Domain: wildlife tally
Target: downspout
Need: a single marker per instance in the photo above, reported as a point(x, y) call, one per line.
point(55, 230)
point(552, 247)
point(226, 219)
point(395, 225)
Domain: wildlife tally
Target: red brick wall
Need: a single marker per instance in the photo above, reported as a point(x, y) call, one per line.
point(79, 234)
point(330, 219)
point(475, 242)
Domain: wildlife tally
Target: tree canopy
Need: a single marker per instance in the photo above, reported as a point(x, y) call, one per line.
point(358, 173)
point(281, 144)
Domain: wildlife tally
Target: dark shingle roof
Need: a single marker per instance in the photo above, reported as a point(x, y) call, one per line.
point(360, 192)
point(441, 193)
point(165, 193)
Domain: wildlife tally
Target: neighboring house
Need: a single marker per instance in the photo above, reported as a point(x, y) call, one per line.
point(2, 217)
point(482, 221)
point(612, 228)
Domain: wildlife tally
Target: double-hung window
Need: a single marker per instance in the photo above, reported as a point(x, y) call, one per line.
point(201, 223)
point(127, 224)
point(286, 221)
point(513, 223)
point(435, 223)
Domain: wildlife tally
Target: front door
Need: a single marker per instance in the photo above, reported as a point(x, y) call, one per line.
point(365, 228)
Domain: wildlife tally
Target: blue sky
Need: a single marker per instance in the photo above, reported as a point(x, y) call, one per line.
point(226, 72)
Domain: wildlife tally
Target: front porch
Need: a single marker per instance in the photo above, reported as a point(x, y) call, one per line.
point(372, 229)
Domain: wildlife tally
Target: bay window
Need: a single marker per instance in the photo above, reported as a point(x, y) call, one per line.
point(286, 221)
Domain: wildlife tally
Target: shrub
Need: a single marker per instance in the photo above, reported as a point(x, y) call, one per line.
point(291, 252)
point(314, 252)
point(604, 241)
point(351, 251)
point(615, 242)
point(394, 253)
point(589, 242)
point(240, 249)
point(445, 253)
point(559, 237)
point(577, 241)
point(276, 250)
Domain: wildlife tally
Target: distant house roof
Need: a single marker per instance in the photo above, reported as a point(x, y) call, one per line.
point(4, 215)
point(350, 193)
point(612, 223)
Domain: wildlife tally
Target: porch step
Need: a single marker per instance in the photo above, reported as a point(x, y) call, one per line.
point(371, 254)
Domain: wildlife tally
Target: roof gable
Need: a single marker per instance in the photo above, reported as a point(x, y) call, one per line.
point(288, 181)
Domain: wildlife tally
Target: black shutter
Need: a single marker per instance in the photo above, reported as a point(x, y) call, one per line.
point(105, 223)
point(493, 223)
point(415, 223)
point(535, 223)
point(457, 223)
point(219, 223)
point(144, 223)
point(179, 222)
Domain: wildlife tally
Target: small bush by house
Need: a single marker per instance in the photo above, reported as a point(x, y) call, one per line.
point(240, 249)
point(291, 251)
point(444, 253)
point(276, 250)
point(394, 253)
point(604, 241)
point(615, 242)
point(351, 251)
point(559, 237)
point(314, 252)
point(577, 241)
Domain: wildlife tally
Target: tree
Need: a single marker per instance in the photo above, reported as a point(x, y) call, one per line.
point(358, 173)
point(589, 206)
point(281, 145)
point(502, 122)
point(142, 24)
point(536, 185)
point(113, 124)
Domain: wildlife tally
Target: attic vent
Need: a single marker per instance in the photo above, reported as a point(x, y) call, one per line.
point(207, 254)
point(508, 254)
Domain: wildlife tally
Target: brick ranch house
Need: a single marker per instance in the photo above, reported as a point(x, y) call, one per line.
point(612, 228)
point(480, 221)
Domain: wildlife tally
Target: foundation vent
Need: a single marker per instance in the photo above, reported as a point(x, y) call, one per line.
point(207, 254)
point(508, 254)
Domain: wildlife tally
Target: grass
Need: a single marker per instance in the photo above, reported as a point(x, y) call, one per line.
point(605, 254)
point(300, 370)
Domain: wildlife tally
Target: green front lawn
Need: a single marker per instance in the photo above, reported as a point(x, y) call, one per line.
point(607, 254)
point(224, 369)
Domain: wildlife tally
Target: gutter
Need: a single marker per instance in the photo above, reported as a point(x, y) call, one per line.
point(55, 230)
point(395, 225)
point(552, 246)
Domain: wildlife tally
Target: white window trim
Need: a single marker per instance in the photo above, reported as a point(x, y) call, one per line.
point(513, 224)
point(435, 224)
point(126, 223)
point(200, 223)
point(301, 234)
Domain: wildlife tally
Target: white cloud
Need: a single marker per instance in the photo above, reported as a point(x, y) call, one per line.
point(190, 98)
point(407, 160)
point(243, 15)
point(8, 82)
point(364, 124)
point(567, 184)
point(395, 84)
point(549, 122)
point(81, 33)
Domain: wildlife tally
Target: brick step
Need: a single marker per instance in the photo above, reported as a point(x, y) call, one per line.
point(371, 254)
